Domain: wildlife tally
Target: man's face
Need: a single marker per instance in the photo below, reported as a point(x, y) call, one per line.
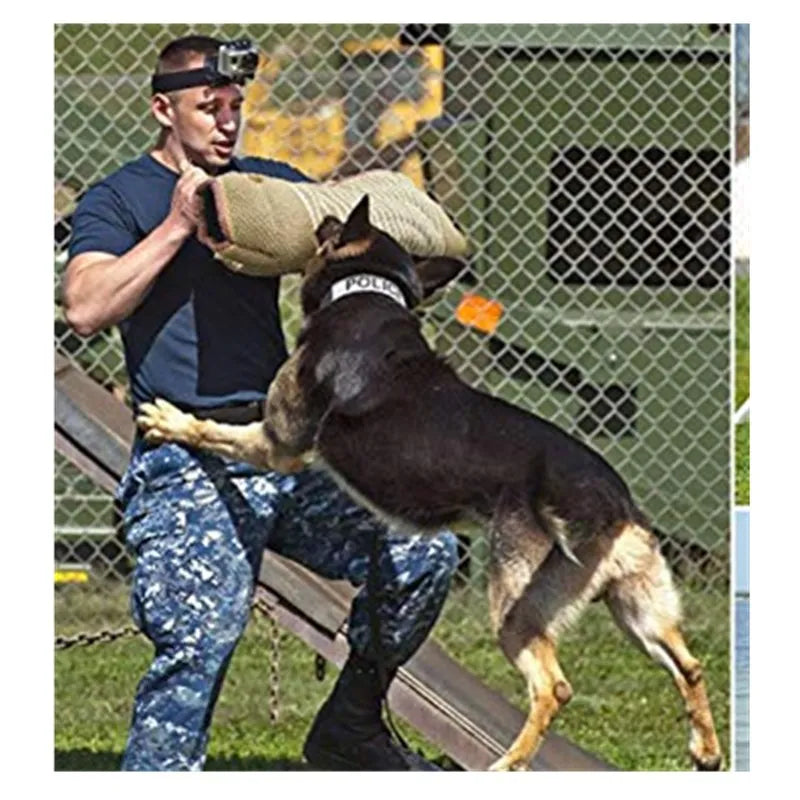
point(207, 121)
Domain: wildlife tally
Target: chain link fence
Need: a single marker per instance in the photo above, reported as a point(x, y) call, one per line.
point(589, 166)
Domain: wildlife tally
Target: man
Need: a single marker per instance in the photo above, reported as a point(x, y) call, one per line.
point(210, 340)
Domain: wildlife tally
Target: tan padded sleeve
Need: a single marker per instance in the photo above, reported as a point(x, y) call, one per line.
point(269, 223)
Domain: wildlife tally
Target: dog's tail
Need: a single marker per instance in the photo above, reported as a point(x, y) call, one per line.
point(557, 528)
point(569, 533)
point(600, 508)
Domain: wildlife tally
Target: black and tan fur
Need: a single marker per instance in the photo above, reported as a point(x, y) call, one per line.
point(398, 429)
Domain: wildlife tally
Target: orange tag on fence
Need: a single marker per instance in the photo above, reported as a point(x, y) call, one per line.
point(479, 312)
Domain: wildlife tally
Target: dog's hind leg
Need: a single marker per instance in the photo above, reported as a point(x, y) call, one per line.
point(645, 604)
point(548, 689)
point(519, 548)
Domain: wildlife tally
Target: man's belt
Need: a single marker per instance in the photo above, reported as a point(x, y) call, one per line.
point(236, 414)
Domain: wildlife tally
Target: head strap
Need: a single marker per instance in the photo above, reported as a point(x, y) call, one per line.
point(234, 62)
point(173, 81)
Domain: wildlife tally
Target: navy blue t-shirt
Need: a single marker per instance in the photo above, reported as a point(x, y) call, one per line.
point(203, 336)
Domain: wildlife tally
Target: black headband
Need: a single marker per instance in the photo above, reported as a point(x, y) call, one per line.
point(234, 62)
point(172, 81)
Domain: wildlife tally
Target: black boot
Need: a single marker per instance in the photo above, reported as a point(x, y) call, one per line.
point(348, 732)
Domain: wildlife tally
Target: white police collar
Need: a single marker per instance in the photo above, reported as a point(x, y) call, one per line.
point(364, 282)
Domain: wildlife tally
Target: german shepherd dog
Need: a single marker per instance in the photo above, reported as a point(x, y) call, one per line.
point(398, 429)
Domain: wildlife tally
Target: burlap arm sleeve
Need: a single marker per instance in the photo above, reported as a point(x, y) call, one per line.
point(265, 226)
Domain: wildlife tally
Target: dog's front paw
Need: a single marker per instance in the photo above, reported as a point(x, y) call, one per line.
point(160, 422)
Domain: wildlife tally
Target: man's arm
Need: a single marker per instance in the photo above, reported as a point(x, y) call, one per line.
point(100, 288)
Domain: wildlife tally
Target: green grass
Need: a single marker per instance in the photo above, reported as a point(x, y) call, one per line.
point(625, 709)
point(742, 439)
point(742, 340)
point(91, 732)
point(91, 727)
point(742, 390)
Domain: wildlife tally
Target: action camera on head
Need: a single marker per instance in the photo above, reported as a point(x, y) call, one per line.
point(234, 62)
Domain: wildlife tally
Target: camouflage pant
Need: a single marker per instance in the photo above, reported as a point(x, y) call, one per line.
point(198, 526)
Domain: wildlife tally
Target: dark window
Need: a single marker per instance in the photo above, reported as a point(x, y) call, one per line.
point(639, 217)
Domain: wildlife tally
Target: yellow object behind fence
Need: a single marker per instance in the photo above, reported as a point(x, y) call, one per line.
point(71, 575)
point(312, 136)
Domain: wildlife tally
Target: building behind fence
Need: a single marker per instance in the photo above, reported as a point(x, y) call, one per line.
point(589, 167)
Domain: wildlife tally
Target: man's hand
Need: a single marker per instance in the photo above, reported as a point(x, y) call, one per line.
point(187, 205)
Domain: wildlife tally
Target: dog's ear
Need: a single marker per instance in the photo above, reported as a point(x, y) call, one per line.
point(328, 231)
point(356, 226)
point(435, 272)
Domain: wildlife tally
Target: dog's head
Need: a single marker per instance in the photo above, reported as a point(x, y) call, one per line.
point(356, 246)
